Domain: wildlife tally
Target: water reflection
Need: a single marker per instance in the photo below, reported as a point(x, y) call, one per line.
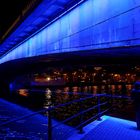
point(47, 98)
point(66, 94)
point(41, 98)
point(115, 89)
point(38, 99)
point(23, 92)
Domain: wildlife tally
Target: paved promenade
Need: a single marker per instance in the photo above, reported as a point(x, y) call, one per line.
point(35, 127)
point(110, 128)
point(32, 128)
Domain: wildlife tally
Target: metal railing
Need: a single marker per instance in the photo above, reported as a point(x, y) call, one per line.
point(81, 113)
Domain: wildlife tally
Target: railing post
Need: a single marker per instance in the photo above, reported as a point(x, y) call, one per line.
point(81, 131)
point(49, 125)
point(99, 109)
point(111, 102)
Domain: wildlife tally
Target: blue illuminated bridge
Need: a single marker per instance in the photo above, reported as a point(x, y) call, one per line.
point(61, 32)
point(62, 29)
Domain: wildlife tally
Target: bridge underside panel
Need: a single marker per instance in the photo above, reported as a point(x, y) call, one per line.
point(90, 26)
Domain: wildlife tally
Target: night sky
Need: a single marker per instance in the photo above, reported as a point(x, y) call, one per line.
point(9, 11)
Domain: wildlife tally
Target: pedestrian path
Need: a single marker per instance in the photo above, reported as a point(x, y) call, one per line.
point(35, 127)
point(32, 128)
point(110, 128)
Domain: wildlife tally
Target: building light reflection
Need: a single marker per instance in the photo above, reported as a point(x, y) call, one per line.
point(23, 92)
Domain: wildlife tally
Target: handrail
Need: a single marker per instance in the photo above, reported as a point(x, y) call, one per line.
point(76, 115)
point(77, 100)
point(23, 117)
point(119, 96)
point(95, 116)
point(81, 113)
point(50, 108)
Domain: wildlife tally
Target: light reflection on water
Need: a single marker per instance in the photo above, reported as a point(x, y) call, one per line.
point(95, 89)
point(38, 99)
point(50, 97)
point(66, 94)
point(47, 98)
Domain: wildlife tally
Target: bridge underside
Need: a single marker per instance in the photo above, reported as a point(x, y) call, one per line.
point(99, 57)
point(110, 34)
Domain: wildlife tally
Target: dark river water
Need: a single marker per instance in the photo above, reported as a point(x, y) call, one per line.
point(41, 98)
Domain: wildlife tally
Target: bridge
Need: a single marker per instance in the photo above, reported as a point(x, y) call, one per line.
point(64, 31)
point(85, 28)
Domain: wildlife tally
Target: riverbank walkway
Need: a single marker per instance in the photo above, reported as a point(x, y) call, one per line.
point(35, 127)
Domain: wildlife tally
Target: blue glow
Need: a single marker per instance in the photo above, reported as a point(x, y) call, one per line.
point(91, 25)
point(109, 128)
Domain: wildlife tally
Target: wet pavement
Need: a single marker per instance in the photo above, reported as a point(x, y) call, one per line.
point(32, 128)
